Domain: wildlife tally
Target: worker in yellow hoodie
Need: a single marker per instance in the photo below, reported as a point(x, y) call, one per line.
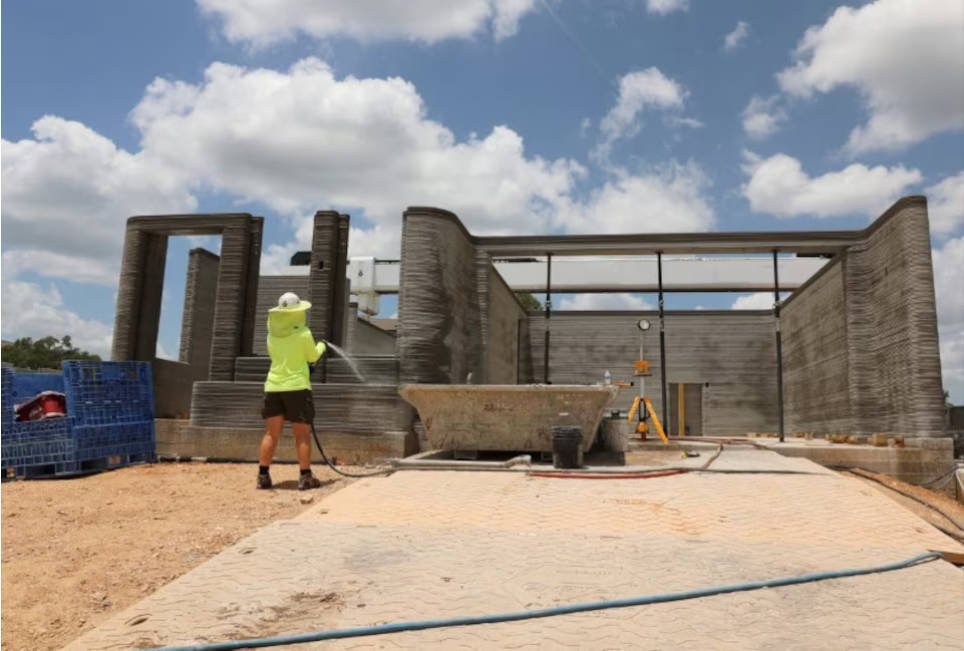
point(287, 390)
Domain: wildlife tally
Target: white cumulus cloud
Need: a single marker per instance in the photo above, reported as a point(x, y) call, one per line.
point(668, 199)
point(904, 57)
point(763, 117)
point(779, 186)
point(78, 268)
point(638, 90)
point(945, 205)
point(734, 39)
point(302, 138)
point(70, 190)
point(948, 280)
point(264, 22)
point(617, 301)
point(663, 7)
point(37, 311)
point(754, 301)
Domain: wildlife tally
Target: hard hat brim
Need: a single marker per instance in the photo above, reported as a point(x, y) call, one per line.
point(302, 306)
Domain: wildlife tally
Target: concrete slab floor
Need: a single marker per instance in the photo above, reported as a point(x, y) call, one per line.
point(421, 545)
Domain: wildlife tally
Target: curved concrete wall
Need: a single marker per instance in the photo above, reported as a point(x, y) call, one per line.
point(861, 337)
point(439, 321)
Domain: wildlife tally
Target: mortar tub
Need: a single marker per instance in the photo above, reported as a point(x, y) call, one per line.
point(513, 417)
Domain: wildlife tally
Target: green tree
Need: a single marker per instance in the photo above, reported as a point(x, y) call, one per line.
point(43, 353)
point(529, 302)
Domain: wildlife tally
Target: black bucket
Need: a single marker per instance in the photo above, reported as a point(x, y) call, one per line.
point(566, 447)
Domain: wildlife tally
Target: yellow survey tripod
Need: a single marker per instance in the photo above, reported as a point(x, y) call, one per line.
point(643, 406)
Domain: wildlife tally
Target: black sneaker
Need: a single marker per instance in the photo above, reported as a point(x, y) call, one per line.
point(308, 481)
point(264, 481)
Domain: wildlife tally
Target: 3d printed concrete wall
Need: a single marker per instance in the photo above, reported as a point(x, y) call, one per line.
point(141, 287)
point(327, 284)
point(365, 338)
point(861, 337)
point(501, 316)
point(732, 354)
point(866, 329)
point(439, 319)
point(816, 378)
point(200, 298)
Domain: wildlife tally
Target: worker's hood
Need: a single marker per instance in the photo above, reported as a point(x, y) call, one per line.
point(284, 323)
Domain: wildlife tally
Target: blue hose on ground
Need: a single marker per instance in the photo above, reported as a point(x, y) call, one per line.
point(548, 612)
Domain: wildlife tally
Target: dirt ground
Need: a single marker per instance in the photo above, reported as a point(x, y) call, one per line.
point(75, 551)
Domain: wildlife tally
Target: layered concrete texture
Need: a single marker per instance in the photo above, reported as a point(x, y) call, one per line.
point(142, 282)
point(200, 299)
point(861, 352)
point(327, 284)
point(222, 326)
point(338, 407)
point(918, 461)
point(458, 321)
point(505, 417)
point(173, 379)
point(730, 356)
point(180, 439)
point(374, 369)
point(860, 339)
point(362, 337)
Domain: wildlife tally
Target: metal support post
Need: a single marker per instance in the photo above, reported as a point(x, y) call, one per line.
point(662, 335)
point(642, 381)
point(545, 356)
point(776, 316)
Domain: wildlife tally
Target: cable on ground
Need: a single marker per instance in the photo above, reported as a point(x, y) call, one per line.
point(497, 618)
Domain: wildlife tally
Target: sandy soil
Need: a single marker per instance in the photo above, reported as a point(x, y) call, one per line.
point(75, 551)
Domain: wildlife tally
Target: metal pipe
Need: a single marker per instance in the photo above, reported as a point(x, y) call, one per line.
point(662, 335)
point(776, 316)
point(642, 380)
point(545, 356)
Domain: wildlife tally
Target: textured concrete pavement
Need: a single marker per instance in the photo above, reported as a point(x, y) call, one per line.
point(425, 545)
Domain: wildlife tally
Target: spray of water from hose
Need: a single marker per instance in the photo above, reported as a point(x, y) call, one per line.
point(314, 434)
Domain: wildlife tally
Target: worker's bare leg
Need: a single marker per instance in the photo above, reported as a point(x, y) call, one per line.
point(269, 443)
point(302, 444)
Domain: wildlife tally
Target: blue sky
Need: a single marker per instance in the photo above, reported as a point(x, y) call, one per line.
point(523, 116)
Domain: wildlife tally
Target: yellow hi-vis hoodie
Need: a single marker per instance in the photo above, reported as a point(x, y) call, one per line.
point(291, 348)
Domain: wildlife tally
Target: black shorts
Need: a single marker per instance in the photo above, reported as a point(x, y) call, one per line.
point(295, 406)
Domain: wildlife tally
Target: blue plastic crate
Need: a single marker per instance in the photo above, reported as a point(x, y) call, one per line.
point(116, 435)
point(114, 446)
point(27, 384)
point(6, 396)
point(90, 373)
point(36, 443)
point(106, 393)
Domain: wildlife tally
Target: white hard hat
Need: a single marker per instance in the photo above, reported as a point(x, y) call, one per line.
point(289, 302)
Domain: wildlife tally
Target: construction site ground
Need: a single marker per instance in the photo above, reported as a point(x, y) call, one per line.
point(77, 551)
point(437, 544)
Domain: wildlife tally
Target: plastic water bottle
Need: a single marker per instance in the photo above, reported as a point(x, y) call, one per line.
point(607, 377)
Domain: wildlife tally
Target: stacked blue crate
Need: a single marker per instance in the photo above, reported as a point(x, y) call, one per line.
point(27, 384)
point(39, 448)
point(33, 448)
point(112, 406)
point(6, 397)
